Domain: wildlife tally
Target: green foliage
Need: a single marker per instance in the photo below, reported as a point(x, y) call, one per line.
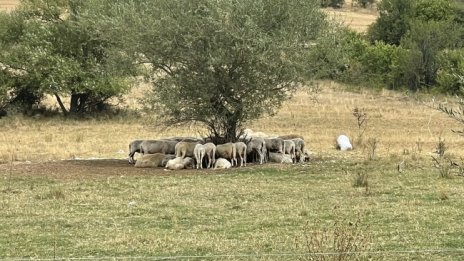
point(428, 38)
point(221, 63)
point(378, 62)
point(51, 48)
point(333, 54)
point(450, 75)
point(436, 10)
point(422, 29)
point(332, 3)
point(393, 21)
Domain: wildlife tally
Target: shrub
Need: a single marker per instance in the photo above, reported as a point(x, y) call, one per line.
point(450, 75)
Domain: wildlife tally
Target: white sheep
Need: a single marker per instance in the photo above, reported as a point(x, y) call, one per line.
point(343, 143)
point(179, 163)
point(280, 157)
point(210, 153)
point(290, 149)
point(222, 163)
point(227, 151)
point(185, 148)
point(241, 150)
point(199, 152)
point(257, 145)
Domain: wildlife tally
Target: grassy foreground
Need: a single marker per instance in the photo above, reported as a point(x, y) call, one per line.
point(50, 208)
point(270, 212)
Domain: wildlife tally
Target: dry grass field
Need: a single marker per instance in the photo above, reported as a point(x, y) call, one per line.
point(100, 207)
point(399, 123)
point(8, 5)
point(68, 192)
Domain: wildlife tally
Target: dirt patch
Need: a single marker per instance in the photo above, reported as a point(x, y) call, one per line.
point(77, 169)
point(72, 169)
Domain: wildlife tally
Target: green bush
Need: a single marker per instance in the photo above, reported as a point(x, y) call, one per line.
point(335, 54)
point(377, 60)
point(450, 75)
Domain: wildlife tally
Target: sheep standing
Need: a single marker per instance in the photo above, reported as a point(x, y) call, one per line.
point(274, 145)
point(185, 148)
point(299, 149)
point(290, 149)
point(257, 145)
point(241, 150)
point(134, 147)
point(157, 146)
point(199, 152)
point(210, 153)
point(227, 151)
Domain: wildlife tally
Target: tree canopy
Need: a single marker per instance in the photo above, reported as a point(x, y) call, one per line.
point(220, 63)
point(49, 47)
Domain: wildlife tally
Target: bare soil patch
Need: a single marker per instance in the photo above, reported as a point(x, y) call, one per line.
point(78, 169)
point(75, 169)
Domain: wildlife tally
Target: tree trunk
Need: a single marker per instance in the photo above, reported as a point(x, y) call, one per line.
point(63, 109)
point(78, 102)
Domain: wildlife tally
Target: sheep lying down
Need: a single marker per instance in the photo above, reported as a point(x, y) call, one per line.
point(180, 163)
point(153, 160)
point(222, 163)
point(280, 158)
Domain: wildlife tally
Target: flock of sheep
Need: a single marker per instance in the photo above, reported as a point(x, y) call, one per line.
point(189, 152)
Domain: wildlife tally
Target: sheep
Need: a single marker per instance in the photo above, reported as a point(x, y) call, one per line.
point(179, 163)
point(222, 163)
point(280, 157)
point(274, 145)
point(153, 160)
point(227, 151)
point(291, 136)
point(199, 152)
point(241, 148)
point(134, 147)
point(185, 148)
point(257, 145)
point(290, 149)
point(299, 149)
point(157, 146)
point(210, 153)
point(343, 143)
point(189, 139)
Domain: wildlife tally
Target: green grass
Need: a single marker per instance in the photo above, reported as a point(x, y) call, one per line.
point(259, 212)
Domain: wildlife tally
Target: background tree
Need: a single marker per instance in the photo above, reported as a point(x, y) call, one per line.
point(426, 40)
point(393, 21)
point(220, 63)
point(49, 47)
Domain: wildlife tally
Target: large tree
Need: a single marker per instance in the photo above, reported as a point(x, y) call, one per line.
point(220, 63)
point(51, 47)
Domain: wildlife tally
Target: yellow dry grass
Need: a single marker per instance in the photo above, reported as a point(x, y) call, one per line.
point(8, 5)
point(401, 125)
point(354, 17)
